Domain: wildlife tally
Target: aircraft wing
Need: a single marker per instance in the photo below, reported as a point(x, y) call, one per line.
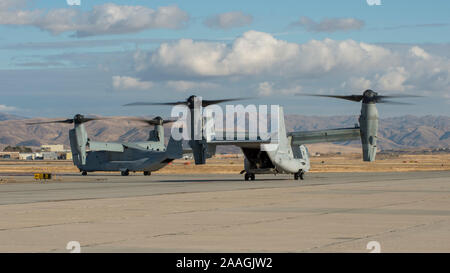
point(113, 146)
point(330, 135)
point(240, 139)
point(105, 146)
point(240, 143)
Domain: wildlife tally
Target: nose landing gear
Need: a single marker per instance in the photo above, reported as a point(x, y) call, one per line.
point(299, 175)
point(249, 176)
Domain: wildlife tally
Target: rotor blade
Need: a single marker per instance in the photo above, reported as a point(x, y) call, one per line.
point(394, 102)
point(356, 98)
point(152, 121)
point(91, 119)
point(154, 103)
point(210, 102)
point(399, 96)
point(68, 121)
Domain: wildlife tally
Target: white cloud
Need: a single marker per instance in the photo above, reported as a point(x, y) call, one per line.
point(190, 85)
point(258, 52)
point(329, 24)
point(101, 20)
point(229, 20)
point(393, 79)
point(5, 108)
point(267, 89)
point(419, 52)
point(258, 57)
point(130, 83)
point(11, 13)
point(373, 2)
point(252, 53)
point(357, 84)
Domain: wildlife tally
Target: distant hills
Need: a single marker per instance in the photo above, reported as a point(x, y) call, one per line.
point(396, 133)
point(4, 116)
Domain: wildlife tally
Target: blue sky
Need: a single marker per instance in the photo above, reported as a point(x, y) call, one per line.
point(57, 60)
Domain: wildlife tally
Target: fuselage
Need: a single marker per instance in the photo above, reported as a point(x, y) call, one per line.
point(291, 160)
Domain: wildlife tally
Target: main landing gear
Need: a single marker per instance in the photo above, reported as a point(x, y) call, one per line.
point(147, 173)
point(300, 175)
point(84, 173)
point(249, 176)
point(125, 173)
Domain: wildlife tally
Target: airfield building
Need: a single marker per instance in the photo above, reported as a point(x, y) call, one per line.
point(52, 148)
point(26, 156)
point(9, 155)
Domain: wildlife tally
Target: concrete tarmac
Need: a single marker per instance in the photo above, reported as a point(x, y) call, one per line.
point(327, 212)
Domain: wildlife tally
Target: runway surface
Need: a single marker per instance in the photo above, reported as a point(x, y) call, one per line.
point(327, 212)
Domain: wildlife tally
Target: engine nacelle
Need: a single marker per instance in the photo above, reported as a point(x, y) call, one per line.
point(78, 140)
point(368, 122)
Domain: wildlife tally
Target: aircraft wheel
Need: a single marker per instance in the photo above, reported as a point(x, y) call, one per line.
point(125, 173)
point(252, 177)
point(300, 175)
point(247, 176)
point(84, 173)
point(147, 173)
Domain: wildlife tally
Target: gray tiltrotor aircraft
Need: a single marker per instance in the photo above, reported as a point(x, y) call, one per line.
point(146, 156)
point(289, 154)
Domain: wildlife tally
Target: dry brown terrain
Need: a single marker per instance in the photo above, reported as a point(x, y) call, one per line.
point(224, 165)
point(397, 133)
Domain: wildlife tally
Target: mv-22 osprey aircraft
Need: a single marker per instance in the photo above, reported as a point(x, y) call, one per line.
point(290, 154)
point(145, 156)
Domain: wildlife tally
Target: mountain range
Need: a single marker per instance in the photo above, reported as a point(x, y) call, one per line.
point(395, 133)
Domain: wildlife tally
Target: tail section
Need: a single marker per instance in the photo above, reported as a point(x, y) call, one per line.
point(174, 149)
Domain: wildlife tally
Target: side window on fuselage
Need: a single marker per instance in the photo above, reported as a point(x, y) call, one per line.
point(304, 152)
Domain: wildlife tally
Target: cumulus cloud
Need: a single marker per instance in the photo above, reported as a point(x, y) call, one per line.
point(259, 58)
point(11, 13)
point(130, 83)
point(190, 85)
point(328, 24)
point(419, 52)
point(229, 20)
point(101, 20)
point(252, 53)
point(6, 108)
point(268, 88)
point(357, 83)
point(393, 79)
point(258, 53)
